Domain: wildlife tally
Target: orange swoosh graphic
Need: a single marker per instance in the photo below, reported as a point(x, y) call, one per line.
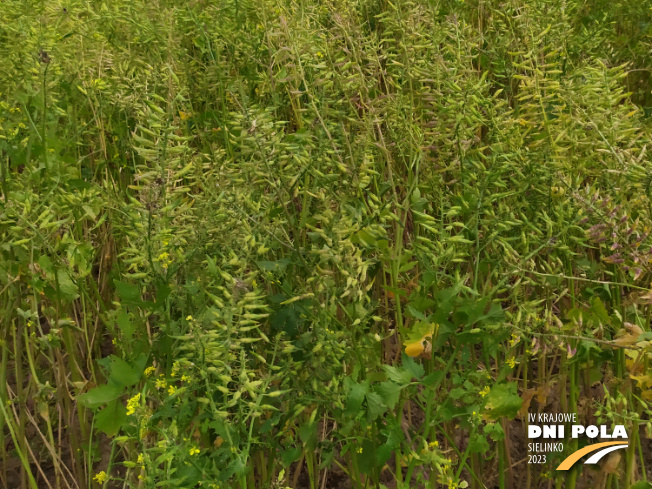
point(575, 456)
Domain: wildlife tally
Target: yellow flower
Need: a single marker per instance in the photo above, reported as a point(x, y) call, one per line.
point(433, 444)
point(359, 450)
point(485, 391)
point(417, 348)
point(185, 378)
point(149, 371)
point(100, 477)
point(164, 259)
point(175, 369)
point(132, 404)
point(172, 390)
point(141, 459)
point(511, 361)
point(414, 349)
point(184, 116)
point(161, 384)
point(194, 451)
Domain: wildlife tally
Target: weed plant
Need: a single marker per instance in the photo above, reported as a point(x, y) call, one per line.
point(335, 243)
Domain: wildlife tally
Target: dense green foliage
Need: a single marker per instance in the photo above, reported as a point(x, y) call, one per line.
point(222, 223)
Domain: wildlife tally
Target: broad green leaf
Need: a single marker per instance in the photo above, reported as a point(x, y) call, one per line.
point(67, 287)
point(125, 325)
point(400, 375)
point(355, 398)
point(100, 395)
point(291, 455)
point(503, 401)
point(389, 392)
point(478, 444)
point(274, 266)
point(416, 369)
point(122, 373)
point(375, 405)
point(128, 293)
point(110, 419)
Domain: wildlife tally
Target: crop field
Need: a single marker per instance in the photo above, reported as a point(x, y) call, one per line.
point(325, 244)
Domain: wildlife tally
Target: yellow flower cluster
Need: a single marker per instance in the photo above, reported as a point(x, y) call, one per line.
point(100, 477)
point(176, 366)
point(132, 404)
point(164, 259)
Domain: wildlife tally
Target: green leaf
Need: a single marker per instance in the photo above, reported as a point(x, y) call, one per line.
point(415, 313)
point(375, 405)
point(457, 393)
point(125, 325)
point(355, 397)
point(291, 455)
point(408, 266)
point(274, 266)
point(433, 379)
point(600, 311)
point(400, 375)
point(128, 293)
point(67, 287)
point(416, 369)
point(162, 293)
point(503, 401)
point(383, 452)
point(367, 458)
point(641, 485)
point(286, 319)
point(478, 444)
point(308, 435)
point(122, 373)
point(100, 395)
point(189, 476)
point(46, 264)
point(389, 392)
point(110, 419)
point(373, 456)
point(494, 431)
